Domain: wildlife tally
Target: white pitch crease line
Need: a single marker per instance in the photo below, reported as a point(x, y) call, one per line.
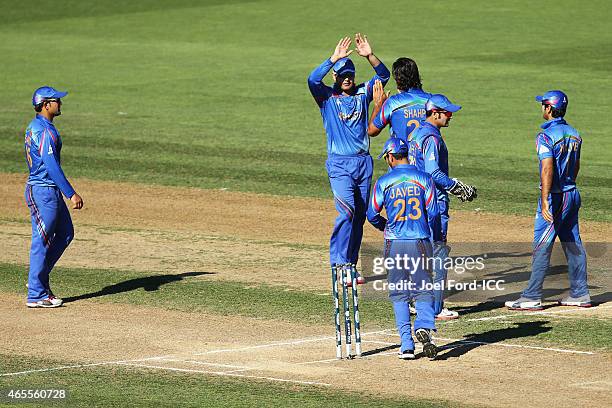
point(386, 343)
point(176, 360)
point(280, 344)
point(542, 312)
point(517, 346)
point(225, 373)
point(511, 345)
point(43, 370)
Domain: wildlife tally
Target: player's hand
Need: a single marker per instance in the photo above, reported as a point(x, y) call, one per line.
point(546, 211)
point(379, 95)
point(363, 46)
point(342, 49)
point(77, 202)
point(462, 191)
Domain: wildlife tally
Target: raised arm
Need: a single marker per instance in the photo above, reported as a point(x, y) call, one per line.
point(382, 73)
point(315, 80)
point(376, 206)
point(380, 116)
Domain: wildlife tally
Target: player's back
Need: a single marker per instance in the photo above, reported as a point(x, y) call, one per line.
point(565, 144)
point(405, 112)
point(407, 192)
point(38, 129)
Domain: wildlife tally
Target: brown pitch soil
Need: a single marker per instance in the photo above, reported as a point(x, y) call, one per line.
point(89, 332)
point(277, 240)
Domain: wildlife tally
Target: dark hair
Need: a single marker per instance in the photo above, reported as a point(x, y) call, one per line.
point(38, 108)
point(406, 74)
point(399, 156)
point(557, 113)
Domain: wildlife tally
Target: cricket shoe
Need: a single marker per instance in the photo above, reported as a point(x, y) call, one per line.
point(525, 304)
point(429, 348)
point(582, 301)
point(49, 302)
point(446, 314)
point(406, 355)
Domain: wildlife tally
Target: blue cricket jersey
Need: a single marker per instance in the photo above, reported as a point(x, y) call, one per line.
point(428, 152)
point(43, 145)
point(404, 112)
point(562, 143)
point(408, 197)
point(345, 117)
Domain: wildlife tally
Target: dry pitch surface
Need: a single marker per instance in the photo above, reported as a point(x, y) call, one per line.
point(277, 240)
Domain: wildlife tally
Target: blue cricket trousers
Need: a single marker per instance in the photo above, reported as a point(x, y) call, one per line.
point(420, 275)
point(52, 232)
point(442, 251)
point(564, 207)
point(350, 178)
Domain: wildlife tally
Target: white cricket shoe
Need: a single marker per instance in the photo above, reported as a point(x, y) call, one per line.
point(446, 314)
point(406, 355)
point(49, 302)
point(582, 301)
point(524, 303)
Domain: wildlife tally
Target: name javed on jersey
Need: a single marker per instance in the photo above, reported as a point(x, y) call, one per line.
point(398, 192)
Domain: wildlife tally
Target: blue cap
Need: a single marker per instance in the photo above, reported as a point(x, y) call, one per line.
point(344, 66)
point(46, 92)
point(440, 102)
point(394, 145)
point(556, 99)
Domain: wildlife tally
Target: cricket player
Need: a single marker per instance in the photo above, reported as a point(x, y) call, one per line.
point(558, 148)
point(403, 111)
point(409, 198)
point(429, 153)
point(52, 229)
point(344, 109)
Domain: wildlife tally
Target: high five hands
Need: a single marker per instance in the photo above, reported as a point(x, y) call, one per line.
point(379, 94)
point(362, 46)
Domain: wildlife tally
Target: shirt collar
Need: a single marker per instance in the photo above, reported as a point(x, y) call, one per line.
point(425, 123)
point(41, 117)
point(404, 166)
point(553, 121)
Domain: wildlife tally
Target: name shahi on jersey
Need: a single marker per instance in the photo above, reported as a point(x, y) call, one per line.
point(414, 113)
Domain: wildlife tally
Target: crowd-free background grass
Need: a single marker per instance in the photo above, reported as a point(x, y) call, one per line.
point(213, 94)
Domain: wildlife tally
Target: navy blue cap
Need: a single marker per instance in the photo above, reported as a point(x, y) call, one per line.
point(556, 99)
point(344, 66)
point(394, 145)
point(440, 102)
point(46, 92)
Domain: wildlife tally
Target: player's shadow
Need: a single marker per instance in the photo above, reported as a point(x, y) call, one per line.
point(512, 276)
point(148, 283)
point(470, 342)
point(380, 350)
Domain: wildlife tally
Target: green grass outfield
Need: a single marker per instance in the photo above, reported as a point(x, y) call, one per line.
point(176, 292)
point(213, 94)
point(121, 387)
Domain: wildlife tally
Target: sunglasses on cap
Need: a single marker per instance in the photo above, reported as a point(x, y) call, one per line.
point(445, 113)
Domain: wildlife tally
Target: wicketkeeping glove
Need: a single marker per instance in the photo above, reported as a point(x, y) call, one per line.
point(462, 191)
